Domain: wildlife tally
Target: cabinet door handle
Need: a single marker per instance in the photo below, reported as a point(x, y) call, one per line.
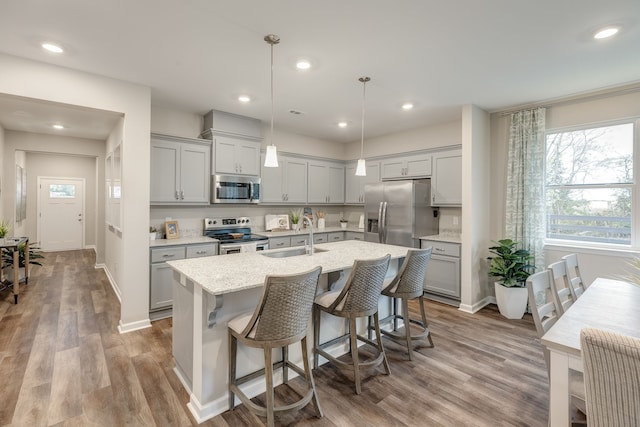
point(177, 195)
point(201, 252)
point(280, 244)
point(181, 195)
point(439, 249)
point(168, 255)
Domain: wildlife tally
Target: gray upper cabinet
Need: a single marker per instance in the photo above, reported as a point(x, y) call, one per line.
point(180, 170)
point(354, 193)
point(409, 167)
point(236, 156)
point(326, 182)
point(285, 184)
point(446, 180)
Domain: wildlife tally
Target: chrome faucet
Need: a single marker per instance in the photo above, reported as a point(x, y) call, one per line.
point(308, 220)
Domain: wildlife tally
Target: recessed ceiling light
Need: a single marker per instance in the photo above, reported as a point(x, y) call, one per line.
point(606, 32)
point(407, 106)
point(52, 47)
point(303, 64)
point(244, 98)
point(57, 126)
point(342, 124)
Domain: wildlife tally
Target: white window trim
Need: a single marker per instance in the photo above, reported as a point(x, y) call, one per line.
point(604, 248)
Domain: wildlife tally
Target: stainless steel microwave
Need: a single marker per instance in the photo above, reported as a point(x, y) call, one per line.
point(235, 189)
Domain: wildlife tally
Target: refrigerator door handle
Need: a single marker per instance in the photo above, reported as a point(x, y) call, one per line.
point(380, 223)
point(384, 223)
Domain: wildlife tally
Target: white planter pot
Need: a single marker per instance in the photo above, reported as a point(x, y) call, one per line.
point(320, 223)
point(7, 274)
point(512, 302)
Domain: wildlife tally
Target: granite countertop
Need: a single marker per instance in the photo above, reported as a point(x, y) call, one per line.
point(181, 241)
point(447, 237)
point(230, 273)
point(303, 231)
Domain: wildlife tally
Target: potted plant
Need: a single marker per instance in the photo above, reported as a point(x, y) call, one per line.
point(343, 223)
point(4, 228)
point(152, 232)
point(511, 265)
point(295, 216)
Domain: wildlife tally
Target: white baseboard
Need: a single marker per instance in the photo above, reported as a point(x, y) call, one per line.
point(114, 286)
point(477, 306)
point(123, 328)
point(95, 249)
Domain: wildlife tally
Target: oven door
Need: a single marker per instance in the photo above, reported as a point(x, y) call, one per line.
point(236, 248)
point(235, 189)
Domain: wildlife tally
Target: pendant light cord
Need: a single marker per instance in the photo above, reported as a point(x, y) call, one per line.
point(271, 93)
point(364, 81)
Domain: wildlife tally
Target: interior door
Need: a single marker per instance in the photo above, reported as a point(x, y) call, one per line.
point(61, 213)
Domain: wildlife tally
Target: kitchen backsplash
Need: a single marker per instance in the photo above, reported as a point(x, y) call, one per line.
point(190, 220)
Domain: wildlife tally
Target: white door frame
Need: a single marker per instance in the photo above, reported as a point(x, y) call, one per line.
point(38, 207)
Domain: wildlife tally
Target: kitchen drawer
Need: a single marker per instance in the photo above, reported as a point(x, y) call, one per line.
point(196, 251)
point(279, 242)
point(442, 248)
point(320, 238)
point(299, 240)
point(336, 237)
point(353, 235)
point(167, 254)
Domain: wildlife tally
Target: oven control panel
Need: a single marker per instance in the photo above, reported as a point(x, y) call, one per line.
point(211, 223)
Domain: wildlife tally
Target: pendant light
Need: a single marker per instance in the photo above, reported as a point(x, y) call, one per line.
point(271, 158)
point(361, 169)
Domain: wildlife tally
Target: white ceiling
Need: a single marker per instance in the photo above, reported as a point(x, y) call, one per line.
point(201, 54)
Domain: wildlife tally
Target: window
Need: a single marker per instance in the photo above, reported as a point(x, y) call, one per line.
point(62, 191)
point(590, 184)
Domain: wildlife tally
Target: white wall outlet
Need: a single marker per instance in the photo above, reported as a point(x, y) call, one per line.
point(455, 220)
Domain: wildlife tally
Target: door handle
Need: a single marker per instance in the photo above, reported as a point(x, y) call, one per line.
point(380, 223)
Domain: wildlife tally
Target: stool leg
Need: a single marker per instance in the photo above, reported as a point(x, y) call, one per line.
point(268, 366)
point(233, 347)
point(407, 326)
point(309, 374)
point(285, 368)
point(395, 314)
point(353, 342)
point(424, 318)
point(316, 335)
point(380, 347)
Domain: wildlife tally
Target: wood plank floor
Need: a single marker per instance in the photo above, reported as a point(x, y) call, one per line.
point(63, 363)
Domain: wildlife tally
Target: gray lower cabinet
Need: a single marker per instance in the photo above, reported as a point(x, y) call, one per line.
point(302, 238)
point(443, 271)
point(161, 275)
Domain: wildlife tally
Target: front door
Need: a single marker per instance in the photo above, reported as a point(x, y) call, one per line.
point(61, 213)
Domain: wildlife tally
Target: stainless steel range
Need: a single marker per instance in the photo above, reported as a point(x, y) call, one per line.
point(234, 235)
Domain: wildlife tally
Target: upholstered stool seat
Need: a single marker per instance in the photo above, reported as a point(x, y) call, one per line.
point(280, 319)
point(358, 298)
point(407, 285)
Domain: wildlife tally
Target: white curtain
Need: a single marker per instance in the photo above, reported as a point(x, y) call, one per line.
point(525, 220)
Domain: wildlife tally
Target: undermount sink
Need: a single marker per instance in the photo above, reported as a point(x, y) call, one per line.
point(285, 253)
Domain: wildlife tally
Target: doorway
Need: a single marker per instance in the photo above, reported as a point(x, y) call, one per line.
point(61, 213)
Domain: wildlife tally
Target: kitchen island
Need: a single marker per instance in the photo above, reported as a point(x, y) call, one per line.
point(209, 291)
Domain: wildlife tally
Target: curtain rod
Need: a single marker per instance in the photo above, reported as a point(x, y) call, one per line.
point(592, 96)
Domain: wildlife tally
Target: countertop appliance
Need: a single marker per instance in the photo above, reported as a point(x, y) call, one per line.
point(234, 235)
point(235, 189)
point(399, 212)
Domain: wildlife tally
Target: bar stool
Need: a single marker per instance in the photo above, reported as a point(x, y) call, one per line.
point(358, 298)
point(281, 318)
point(407, 285)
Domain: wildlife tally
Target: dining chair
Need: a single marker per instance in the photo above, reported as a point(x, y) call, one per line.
point(545, 312)
point(561, 286)
point(280, 319)
point(573, 271)
point(407, 285)
point(358, 298)
point(611, 378)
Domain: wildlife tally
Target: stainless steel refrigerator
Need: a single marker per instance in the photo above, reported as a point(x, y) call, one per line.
point(399, 212)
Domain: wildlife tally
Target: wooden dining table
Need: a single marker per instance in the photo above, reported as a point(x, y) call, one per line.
point(608, 304)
